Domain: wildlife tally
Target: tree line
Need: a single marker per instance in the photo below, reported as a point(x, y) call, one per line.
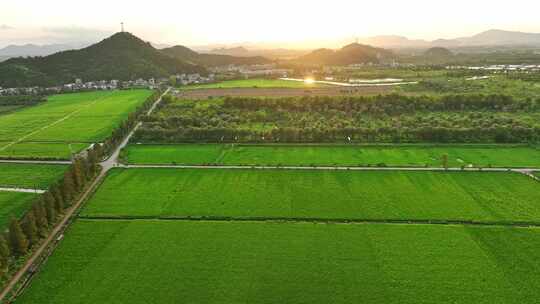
point(26, 233)
point(390, 118)
point(21, 100)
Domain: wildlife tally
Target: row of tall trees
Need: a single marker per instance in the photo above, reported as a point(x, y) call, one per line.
point(21, 100)
point(389, 104)
point(120, 133)
point(26, 233)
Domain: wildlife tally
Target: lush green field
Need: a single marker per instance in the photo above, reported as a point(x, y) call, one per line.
point(349, 155)
point(13, 204)
point(30, 176)
point(42, 150)
point(245, 193)
point(253, 83)
point(67, 118)
point(151, 261)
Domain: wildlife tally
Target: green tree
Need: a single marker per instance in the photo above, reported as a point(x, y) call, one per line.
point(4, 256)
point(77, 172)
point(59, 201)
point(51, 213)
point(30, 229)
point(68, 187)
point(41, 218)
point(445, 161)
point(172, 81)
point(19, 242)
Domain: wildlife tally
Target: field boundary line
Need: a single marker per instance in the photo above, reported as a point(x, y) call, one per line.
point(21, 139)
point(315, 220)
point(35, 162)
point(21, 190)
point(327, 168)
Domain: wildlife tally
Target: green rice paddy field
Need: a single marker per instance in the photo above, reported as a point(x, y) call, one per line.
point(329, 155)
point(30, 176)
point(253, 83)
point(158, 261)
point(14, 204)
point(321, 194)
point(43, 150)
point(79, 118)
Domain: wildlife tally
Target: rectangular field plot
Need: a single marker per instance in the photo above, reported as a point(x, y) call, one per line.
point(70, 118)
point(320, 194)
point(43, 150)
point(13, 204)
point(30, 176)
point(329, 155)
point(153, 261)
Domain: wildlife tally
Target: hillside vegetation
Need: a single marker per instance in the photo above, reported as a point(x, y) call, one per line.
point(390, 118)
point(351, 54)
point(211, 60)
point(121, 56)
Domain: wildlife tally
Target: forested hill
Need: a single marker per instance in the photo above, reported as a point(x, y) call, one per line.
point(211, 60)
point(351, 54)
point(122, 56)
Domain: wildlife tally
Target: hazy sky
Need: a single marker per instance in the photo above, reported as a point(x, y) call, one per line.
point(201, 22)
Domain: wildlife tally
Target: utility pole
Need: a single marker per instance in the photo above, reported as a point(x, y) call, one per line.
point(122, 26)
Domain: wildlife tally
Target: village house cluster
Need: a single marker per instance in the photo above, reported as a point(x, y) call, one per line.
point(79, 85)
point(187, 79)
point(254, 70)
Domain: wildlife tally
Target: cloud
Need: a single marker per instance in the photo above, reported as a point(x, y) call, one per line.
point(5, 27)
point(75, 33)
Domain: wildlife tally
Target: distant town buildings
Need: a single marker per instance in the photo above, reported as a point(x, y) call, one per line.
point(500, 67)
point(79, 85)
point(187, 79)
point(255, 70)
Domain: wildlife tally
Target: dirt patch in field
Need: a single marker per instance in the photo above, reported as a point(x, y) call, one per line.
point(282, 92)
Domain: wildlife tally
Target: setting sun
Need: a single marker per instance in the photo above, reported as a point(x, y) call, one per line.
point(309, 81)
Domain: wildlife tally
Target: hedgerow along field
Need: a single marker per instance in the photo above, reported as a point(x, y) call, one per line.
point(329, 155)
point(321, 194)
point(33, 176)
point(14, 204)
point(253, 83)
point(157, 261)
point(78, 118)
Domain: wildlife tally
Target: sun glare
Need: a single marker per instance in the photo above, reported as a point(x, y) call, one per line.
point(309, 81)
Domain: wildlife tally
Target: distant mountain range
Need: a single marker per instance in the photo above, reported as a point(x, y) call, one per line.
point(211, 60)
point(492, 38)
point(121, 56)
point(27, 50)
point(351, 54)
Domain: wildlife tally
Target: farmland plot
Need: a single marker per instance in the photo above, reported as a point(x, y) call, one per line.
point(153, 261)
point(69, 118)
point(329, 155)
point(322, 194)
point(30, 175)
